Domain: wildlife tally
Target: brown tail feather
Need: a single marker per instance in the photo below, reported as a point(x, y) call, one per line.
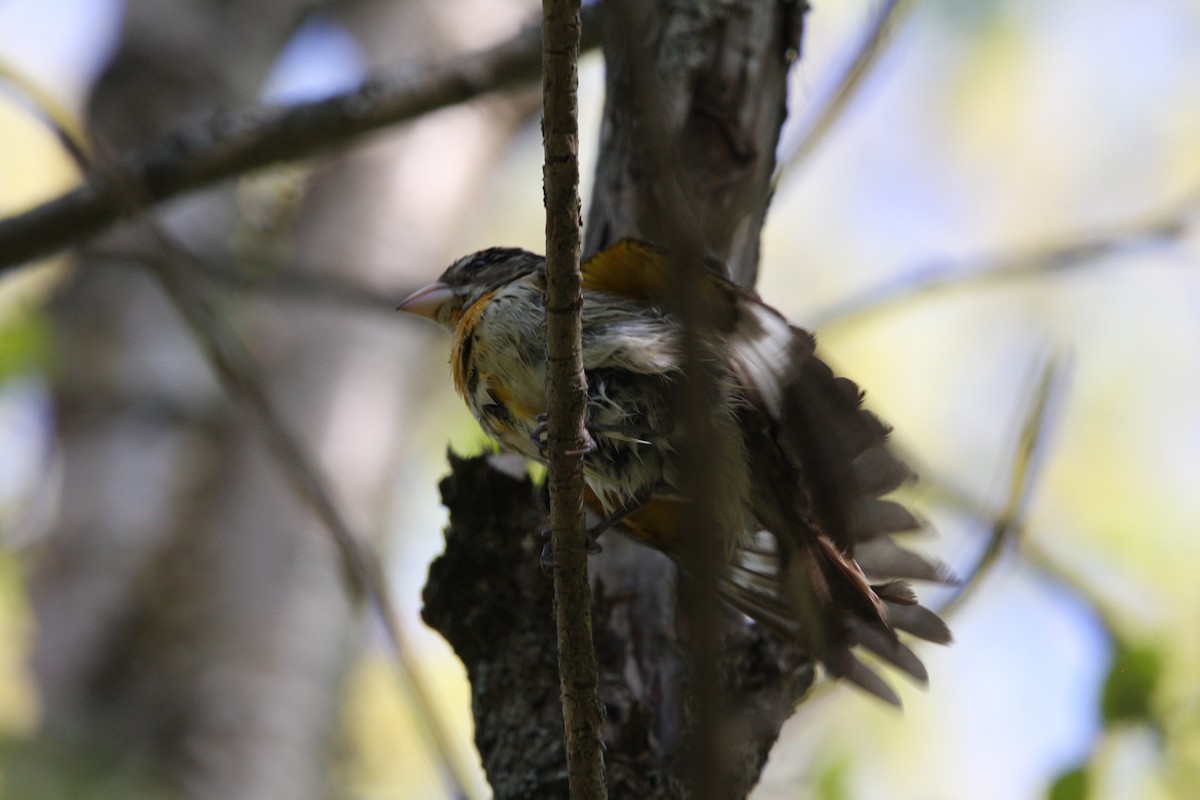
point(821, 465)
point(919, 621)
point(884, 643)
point(841, 449)
point(883, 558)
point(842, 664)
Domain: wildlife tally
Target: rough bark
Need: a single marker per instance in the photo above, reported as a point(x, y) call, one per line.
point(487, 595)
point(716, 72)
point(696, 96)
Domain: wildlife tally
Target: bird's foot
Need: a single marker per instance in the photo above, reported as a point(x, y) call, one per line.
point(539, 438)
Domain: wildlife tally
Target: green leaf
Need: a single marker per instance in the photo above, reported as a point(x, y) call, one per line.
point(1070, 785)
point(24, 343)
point(833, 780)
point(1131, 684)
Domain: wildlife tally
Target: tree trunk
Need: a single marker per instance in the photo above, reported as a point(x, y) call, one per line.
point(696, 97)
point(193, 621)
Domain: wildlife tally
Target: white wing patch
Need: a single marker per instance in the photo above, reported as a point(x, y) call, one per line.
point(762, 348)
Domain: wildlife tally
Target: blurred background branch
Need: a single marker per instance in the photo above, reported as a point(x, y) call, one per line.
point(1007, 523)
point(823, 113)
point(230, 145)
point(1165, 228)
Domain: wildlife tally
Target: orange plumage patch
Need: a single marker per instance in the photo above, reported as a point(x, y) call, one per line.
point(504, 396)
point(656, 523)
point(630, 268)
point(642, 272)
point(460, 353)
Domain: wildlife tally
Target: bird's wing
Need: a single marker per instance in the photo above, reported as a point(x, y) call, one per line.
point(630, 268)
point(641, 272)
point(820, 468)
point(820, 425)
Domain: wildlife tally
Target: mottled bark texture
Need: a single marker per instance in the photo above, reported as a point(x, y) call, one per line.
point(706, 83)
point(696, 96)
point(492, 602)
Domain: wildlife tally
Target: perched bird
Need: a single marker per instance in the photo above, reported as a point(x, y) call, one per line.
point(803, 467)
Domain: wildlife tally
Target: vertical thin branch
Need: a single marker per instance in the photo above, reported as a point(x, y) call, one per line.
point(567, 399)
point(1034, 439)
point(709, 770)
point(689, 154)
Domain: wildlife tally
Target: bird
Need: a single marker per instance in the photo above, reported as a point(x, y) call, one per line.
point(803, 467)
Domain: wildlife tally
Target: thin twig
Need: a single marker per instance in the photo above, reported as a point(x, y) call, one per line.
point(689, 158)
point(822, 117)
point(315, 286)
point(567, 387)
point(56, 118)
point(236, 370)
point(707, 769)
point(1008, 523)
point(1160, 230)
point(234, 144)
point(1163, 228)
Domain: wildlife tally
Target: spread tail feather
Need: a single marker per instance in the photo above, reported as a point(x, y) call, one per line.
point(821, 466)
point(754, 586)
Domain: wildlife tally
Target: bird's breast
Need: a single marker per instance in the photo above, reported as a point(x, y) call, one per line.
point(498, 364)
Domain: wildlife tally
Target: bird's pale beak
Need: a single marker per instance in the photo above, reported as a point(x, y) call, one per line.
point(426, 302)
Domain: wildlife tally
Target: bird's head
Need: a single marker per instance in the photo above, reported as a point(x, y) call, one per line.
point(467, 280)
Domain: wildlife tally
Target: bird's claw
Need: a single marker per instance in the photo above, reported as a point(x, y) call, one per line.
point(538, 437)
point(589, 446)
